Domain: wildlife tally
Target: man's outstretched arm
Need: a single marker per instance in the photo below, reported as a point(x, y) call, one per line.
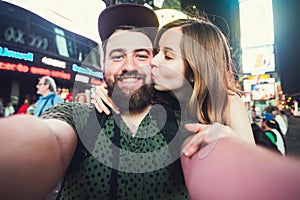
point(34, 154)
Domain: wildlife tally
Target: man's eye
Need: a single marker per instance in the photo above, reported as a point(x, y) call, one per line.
point(117, 57)
point(142, 56)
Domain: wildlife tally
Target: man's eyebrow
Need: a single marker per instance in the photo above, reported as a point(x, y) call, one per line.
point(149, 51)
point(120, 50)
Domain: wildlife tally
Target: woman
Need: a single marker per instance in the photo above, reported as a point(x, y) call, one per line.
point(199, 51)
point(81, 97)
point(196, 54)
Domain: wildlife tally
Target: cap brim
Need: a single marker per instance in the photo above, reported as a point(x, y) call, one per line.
point(125, 14)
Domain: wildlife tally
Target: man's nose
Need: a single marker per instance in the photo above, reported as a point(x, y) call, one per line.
point(130, 64)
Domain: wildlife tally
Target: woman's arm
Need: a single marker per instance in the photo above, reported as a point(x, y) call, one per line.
point(34, 154)
point(233, 169)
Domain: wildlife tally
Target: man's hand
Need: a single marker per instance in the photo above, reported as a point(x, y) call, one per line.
point(205, 134)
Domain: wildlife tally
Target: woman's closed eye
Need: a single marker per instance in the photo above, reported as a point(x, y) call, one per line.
point(168, 55)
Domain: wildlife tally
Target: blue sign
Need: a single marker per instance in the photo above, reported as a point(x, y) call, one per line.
point(87, 71)
point(5, 52)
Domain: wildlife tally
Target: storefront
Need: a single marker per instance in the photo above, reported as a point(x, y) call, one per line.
point(19, 73)
point(31, 47)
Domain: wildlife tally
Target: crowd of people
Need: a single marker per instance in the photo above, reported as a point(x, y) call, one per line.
point(47, 97)
point(271, 128)
point(167, 124)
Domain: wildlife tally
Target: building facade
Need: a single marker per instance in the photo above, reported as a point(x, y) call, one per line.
point(31, 47)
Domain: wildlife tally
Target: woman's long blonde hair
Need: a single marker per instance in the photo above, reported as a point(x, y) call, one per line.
point(206, 52)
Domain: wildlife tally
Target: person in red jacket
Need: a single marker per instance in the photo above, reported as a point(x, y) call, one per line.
point(23, 108)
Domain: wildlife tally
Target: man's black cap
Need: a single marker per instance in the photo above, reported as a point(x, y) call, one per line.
point(126, 14)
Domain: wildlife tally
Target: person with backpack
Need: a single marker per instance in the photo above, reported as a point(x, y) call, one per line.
point(261, 139)
point(46, 87)
point(273, 132)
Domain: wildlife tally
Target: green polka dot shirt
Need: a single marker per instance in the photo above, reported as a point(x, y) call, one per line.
point(147, 168)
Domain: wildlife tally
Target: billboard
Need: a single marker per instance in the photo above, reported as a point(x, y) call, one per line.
point(257, 36)
point(258, 60)
point(262, 92)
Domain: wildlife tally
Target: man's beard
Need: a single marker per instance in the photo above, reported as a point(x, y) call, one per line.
point(131, 101)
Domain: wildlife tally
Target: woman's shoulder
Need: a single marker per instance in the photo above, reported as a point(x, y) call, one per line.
point(234, 96)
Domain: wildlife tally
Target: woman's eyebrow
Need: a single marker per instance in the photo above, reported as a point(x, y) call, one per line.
point(168, 49)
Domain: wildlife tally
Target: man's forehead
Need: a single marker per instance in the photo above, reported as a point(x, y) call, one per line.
point(129, 41)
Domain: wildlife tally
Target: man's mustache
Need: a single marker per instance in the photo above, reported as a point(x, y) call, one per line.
point(127, 75)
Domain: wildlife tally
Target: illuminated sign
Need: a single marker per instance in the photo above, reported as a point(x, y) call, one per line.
point(5, 52)
point(54, 62)
point(34, 70)
point(257, 39)
point(81, 78)
point(96, 81)
point(87, 71)
point(262, 92)
point(48, 72)
point(14, 67)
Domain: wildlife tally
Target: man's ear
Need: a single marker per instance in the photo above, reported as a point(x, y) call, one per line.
point(48, 86)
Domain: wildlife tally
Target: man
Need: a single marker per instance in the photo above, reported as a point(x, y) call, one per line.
point(129, 158)
point(46, 87)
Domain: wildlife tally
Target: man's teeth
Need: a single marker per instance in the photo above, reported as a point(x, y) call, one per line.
point(129, 79)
